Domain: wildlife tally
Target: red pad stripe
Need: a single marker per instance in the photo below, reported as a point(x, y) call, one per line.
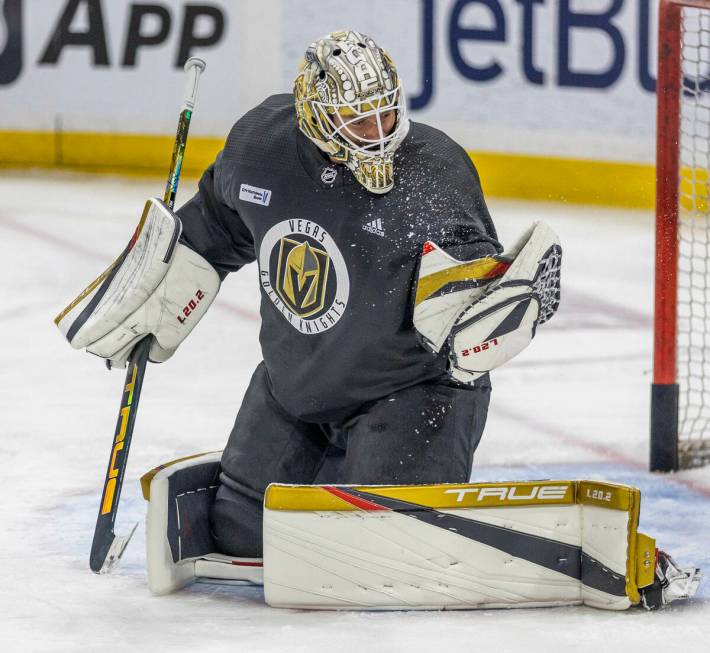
point(363, 504)
point(499, 270)
point(247, 564)
point(134, 238)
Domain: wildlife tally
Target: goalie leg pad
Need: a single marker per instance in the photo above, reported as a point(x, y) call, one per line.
point(179, 545)
point(454, 546)
point(523, 544)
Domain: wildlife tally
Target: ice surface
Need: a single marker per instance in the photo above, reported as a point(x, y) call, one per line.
point(574, 405)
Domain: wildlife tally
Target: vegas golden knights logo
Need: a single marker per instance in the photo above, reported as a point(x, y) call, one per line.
point(303, 273)
point(302, 276)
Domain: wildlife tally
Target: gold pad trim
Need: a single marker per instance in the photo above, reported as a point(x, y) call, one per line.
point(467, 495)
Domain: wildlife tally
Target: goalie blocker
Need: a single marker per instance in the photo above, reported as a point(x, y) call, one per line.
point(489, 545)
point(156, 286)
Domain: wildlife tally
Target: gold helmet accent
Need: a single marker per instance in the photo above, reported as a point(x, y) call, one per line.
point(346, 78)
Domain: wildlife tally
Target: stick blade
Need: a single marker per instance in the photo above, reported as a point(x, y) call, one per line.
point(106, 555)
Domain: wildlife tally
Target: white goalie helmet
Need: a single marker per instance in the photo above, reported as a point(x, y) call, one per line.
point(346, 80)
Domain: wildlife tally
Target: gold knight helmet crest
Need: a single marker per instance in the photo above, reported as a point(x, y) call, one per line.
point(302, 276)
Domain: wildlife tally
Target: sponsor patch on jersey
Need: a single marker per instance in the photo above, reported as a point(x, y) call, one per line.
point(375, 227)
point(303, 273)
point(254, 194)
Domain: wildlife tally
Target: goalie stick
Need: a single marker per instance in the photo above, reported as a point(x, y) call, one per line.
point(107, 547)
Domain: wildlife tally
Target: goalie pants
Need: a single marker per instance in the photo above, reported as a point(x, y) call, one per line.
point(426, 433)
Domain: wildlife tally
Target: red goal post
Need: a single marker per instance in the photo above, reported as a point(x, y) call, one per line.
point(680, 396)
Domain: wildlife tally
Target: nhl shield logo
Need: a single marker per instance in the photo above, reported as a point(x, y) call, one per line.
point(303, 273)
point(329, 175)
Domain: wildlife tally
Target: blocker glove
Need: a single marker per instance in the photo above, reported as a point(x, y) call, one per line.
point(156, 286)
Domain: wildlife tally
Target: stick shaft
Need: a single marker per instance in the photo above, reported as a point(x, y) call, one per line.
point(194, 67)
point(178, 154)
point(106, 548)
point(113, 482)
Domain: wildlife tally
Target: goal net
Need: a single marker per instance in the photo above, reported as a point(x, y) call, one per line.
point(680, 407)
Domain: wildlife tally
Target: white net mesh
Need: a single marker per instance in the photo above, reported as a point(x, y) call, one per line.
point(693, 323)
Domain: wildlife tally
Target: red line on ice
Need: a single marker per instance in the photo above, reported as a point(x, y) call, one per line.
point(237, 310)
point(580, 360)
point(71, 246)
point(50, 238)
point(605, 452)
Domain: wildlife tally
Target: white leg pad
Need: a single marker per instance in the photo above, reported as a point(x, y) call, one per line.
point(454, 546)
point(179, 547)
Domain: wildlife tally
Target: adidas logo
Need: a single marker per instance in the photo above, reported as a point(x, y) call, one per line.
point(375, 227)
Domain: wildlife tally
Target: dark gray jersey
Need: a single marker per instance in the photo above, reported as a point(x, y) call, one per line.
point(336, 264)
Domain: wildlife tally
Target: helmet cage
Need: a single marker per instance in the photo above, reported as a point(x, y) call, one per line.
point(336, 119)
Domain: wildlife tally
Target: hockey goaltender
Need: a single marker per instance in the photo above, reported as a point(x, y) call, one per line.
point(386, 299)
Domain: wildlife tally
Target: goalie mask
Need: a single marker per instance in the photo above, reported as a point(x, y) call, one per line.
point(350, 103)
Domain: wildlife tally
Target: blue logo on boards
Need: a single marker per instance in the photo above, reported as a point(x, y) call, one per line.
point(629, 43)
point(10, 41)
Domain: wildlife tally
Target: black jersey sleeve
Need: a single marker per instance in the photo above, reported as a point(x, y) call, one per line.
point(469, 233)
point(459, 220)
point(212, 227)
